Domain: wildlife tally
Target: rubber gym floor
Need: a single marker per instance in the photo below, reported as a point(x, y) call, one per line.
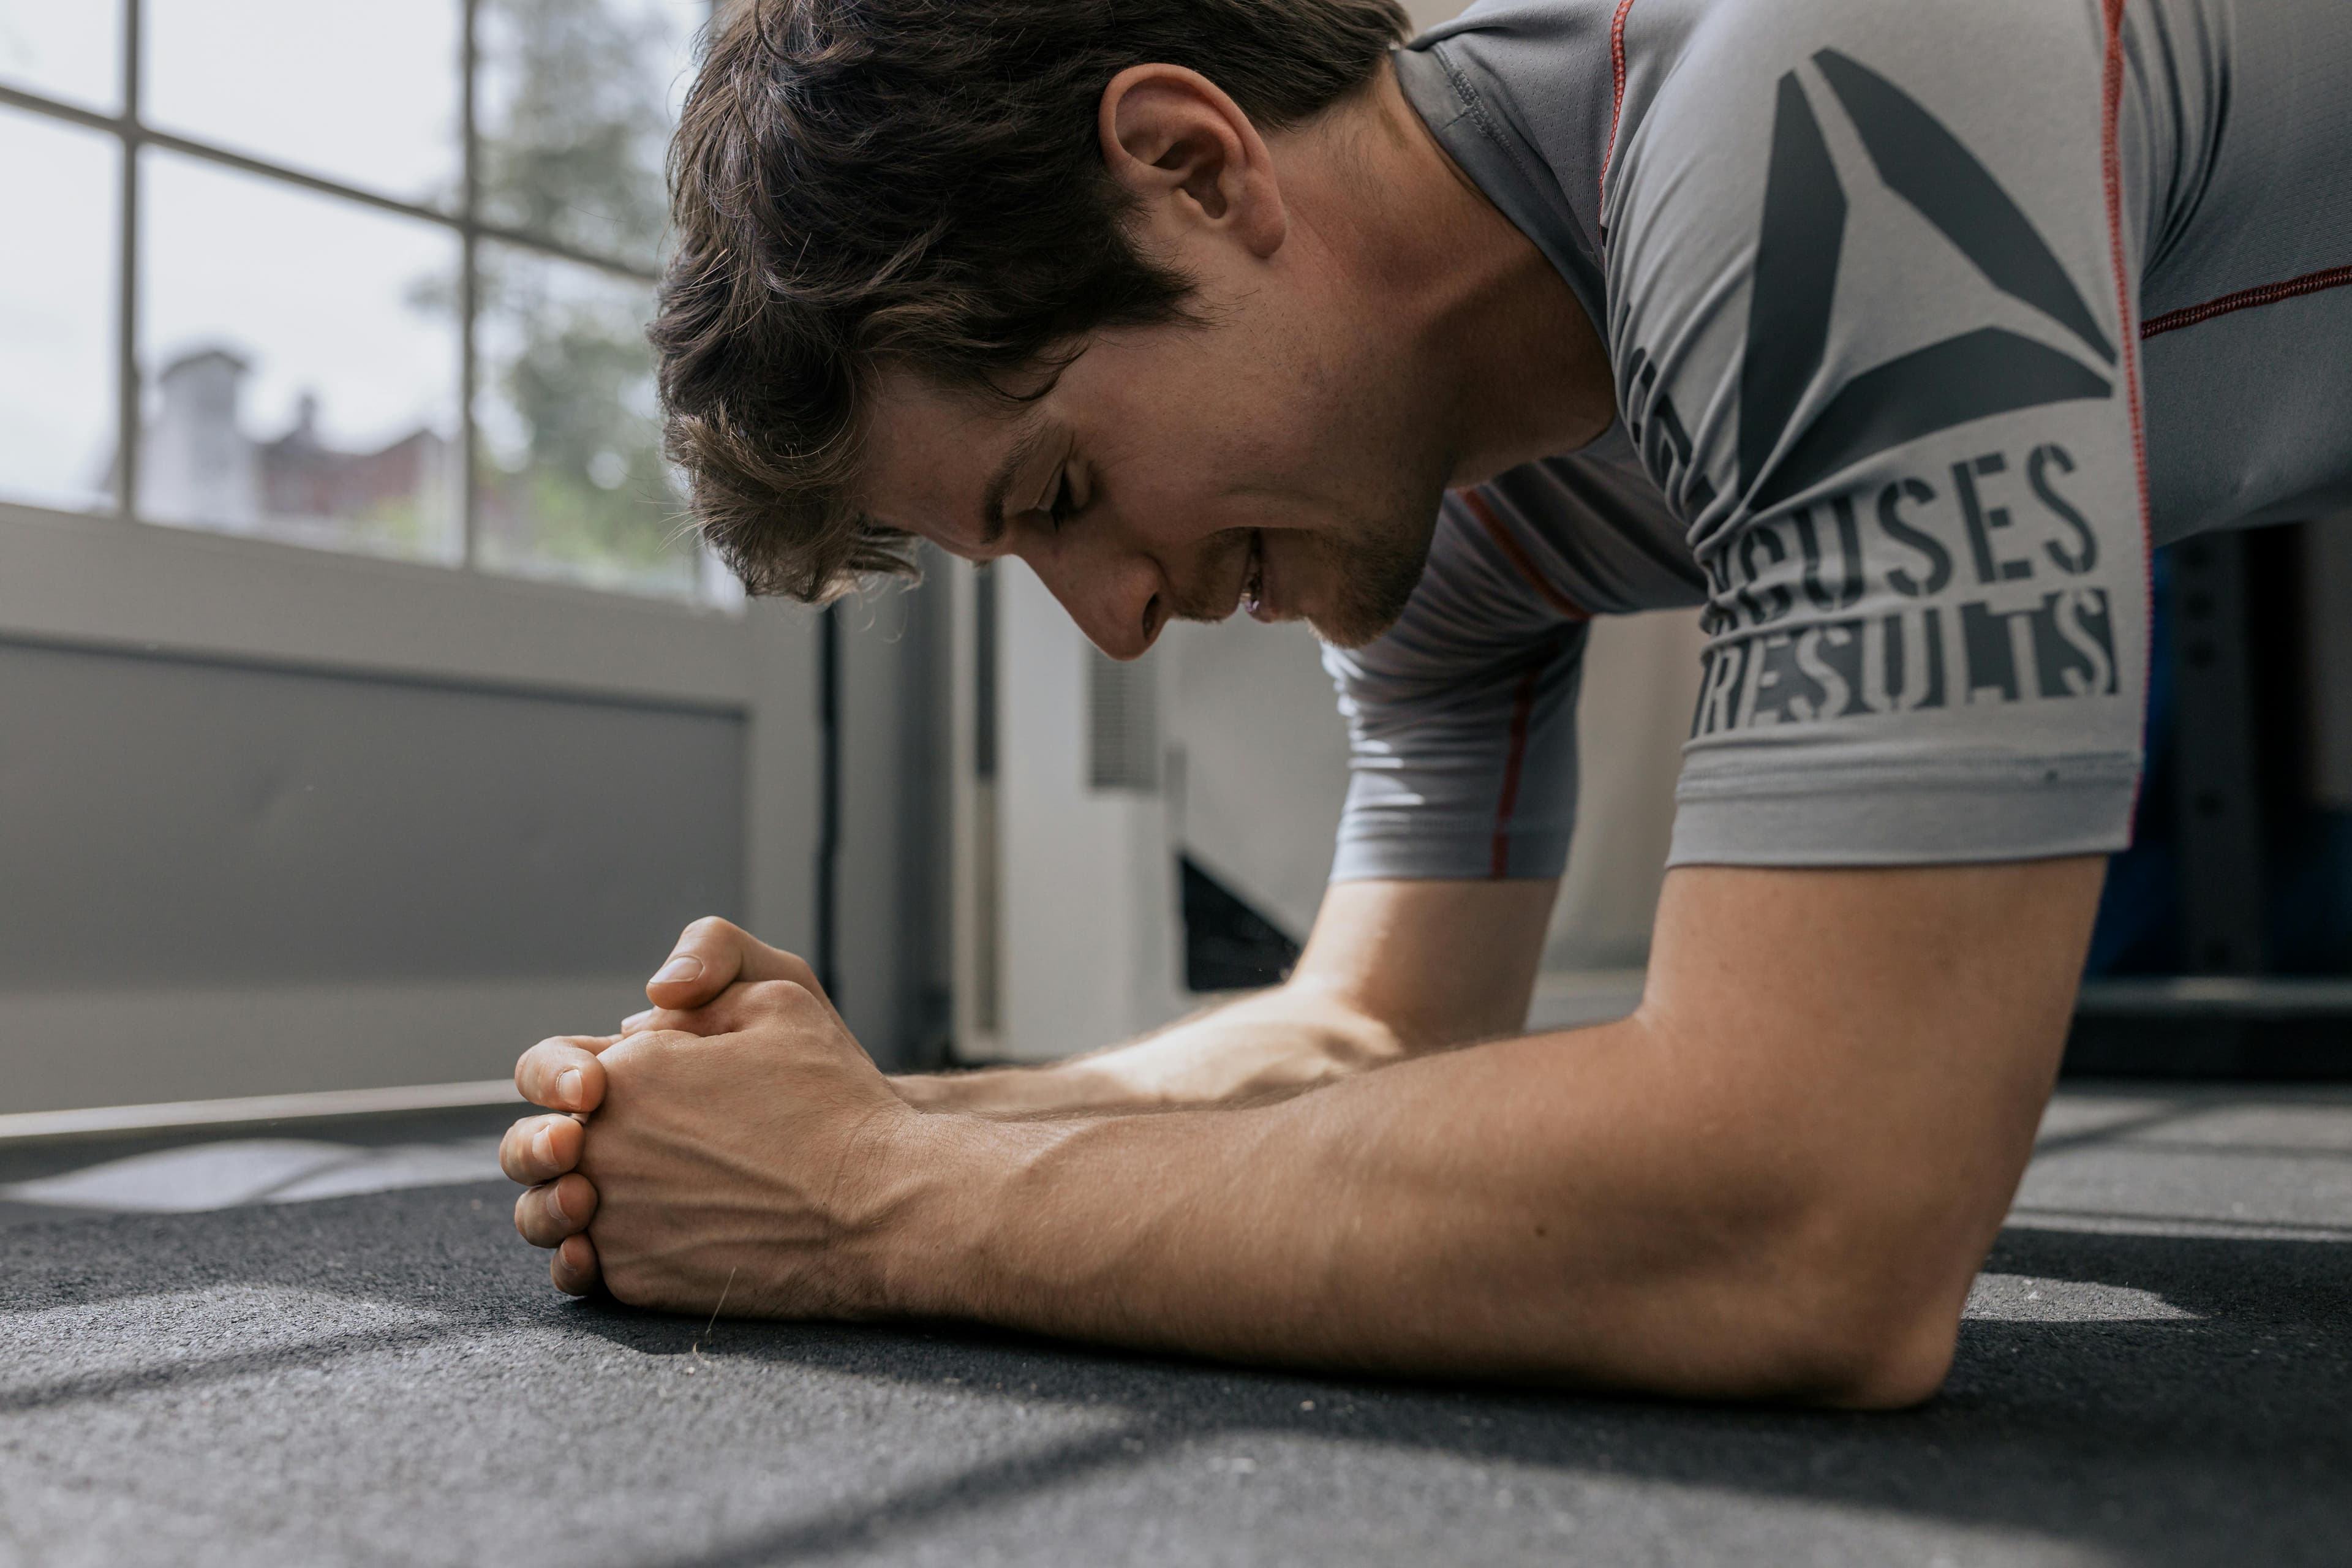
point(324, 1345)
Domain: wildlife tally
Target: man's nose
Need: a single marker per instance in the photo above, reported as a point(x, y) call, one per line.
point(1118, 601)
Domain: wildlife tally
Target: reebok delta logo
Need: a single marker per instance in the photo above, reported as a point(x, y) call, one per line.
point(1970, 376)
point(1970, 579)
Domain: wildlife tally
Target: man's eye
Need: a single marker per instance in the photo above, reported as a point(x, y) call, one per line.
point(1063, 505)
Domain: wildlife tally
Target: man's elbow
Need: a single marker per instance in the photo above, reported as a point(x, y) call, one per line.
point(1887, 1353)
point(1865, 1313)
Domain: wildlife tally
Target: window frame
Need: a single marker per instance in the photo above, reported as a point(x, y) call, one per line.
point(109, 579)
point(132, 135)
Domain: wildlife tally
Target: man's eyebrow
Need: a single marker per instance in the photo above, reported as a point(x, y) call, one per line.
point(992, 505)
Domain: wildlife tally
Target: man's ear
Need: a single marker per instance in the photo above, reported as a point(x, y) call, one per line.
point(1190, 158)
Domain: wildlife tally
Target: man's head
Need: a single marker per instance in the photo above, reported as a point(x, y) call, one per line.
point(1021, 278)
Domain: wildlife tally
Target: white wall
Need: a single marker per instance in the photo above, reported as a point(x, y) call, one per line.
point(1088, 913)
point(1260, 757)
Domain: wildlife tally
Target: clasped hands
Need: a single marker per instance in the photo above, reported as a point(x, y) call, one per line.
point(733, 1133)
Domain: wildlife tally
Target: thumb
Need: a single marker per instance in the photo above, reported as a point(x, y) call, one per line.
point(712, 954)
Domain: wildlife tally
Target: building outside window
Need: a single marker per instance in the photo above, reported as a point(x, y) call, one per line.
point(366, 278)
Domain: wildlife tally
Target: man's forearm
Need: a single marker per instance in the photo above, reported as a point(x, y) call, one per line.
point(1264, 1047)
point(1761, 1184)
point(1392, 969)
point(1547, 1209)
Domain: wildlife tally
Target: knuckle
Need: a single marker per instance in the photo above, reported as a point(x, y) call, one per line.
point(709, 927)
point(573, 1267)
point(781, 994)
point(536, 1218)
point(621, 1063)
point(579, 1195)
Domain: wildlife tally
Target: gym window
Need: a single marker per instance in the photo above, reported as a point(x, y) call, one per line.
point(370, 279)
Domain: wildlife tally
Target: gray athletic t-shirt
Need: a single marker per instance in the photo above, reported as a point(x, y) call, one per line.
point(1925, 321)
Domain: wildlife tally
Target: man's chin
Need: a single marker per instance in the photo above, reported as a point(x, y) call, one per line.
point(1374, 599)
point(1348, 631)
point(1356, 593)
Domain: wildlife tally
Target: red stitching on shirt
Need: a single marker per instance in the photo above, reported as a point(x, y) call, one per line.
point(1519, 558)
point(1498, 858)
point(2246, 300)
point(2111, 100)
point(1616, 91)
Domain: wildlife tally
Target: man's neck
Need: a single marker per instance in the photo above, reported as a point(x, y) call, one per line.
point(1513, 368)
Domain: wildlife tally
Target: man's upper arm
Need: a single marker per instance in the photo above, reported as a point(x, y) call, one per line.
point(1867, 327)
point(1877, 1044)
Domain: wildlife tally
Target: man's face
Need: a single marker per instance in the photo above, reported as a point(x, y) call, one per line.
point(1268, 460)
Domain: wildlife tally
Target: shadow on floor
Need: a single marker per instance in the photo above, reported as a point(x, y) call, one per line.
point(2165, 1442)
point(2220, 1435)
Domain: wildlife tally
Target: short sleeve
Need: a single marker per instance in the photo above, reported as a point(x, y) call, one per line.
point(1462, 717)
point(1871, 324)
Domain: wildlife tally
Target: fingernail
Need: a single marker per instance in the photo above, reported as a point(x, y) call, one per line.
point(684, 966)
point(636, 1020)
point(555, 1203)
point(567, 1086)
point(542, 1145)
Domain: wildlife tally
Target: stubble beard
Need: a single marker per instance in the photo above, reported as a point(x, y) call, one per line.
point(1373, 578)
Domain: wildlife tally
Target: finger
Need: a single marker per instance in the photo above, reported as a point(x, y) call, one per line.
point(723, 1016)
point(563, 1073)
point(742, 1007)
point(572, 1266)
point(653, 1020)
point(546, 1215)
point(712, 954)
point(540, 1149)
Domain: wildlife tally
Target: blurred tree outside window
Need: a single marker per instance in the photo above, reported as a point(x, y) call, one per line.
point(576, 108)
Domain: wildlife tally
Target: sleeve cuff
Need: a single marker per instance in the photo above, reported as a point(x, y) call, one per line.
point(2010, 810)
point(1409, 854)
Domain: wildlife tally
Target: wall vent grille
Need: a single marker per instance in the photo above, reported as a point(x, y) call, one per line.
point(1122, 723)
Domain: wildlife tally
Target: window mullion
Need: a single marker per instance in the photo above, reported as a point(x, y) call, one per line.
point(469, 301)
point(126, 321)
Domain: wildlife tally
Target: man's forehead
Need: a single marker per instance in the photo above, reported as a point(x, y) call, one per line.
point(933, 455)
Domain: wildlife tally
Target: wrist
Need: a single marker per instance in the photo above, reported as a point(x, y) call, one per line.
point(947, 1171)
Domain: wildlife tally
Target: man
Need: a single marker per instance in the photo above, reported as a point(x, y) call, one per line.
point(1827, 315)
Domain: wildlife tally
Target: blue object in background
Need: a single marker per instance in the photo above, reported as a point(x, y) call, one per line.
point(2308, 858)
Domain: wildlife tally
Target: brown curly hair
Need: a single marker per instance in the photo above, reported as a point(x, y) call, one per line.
point(918, 183)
